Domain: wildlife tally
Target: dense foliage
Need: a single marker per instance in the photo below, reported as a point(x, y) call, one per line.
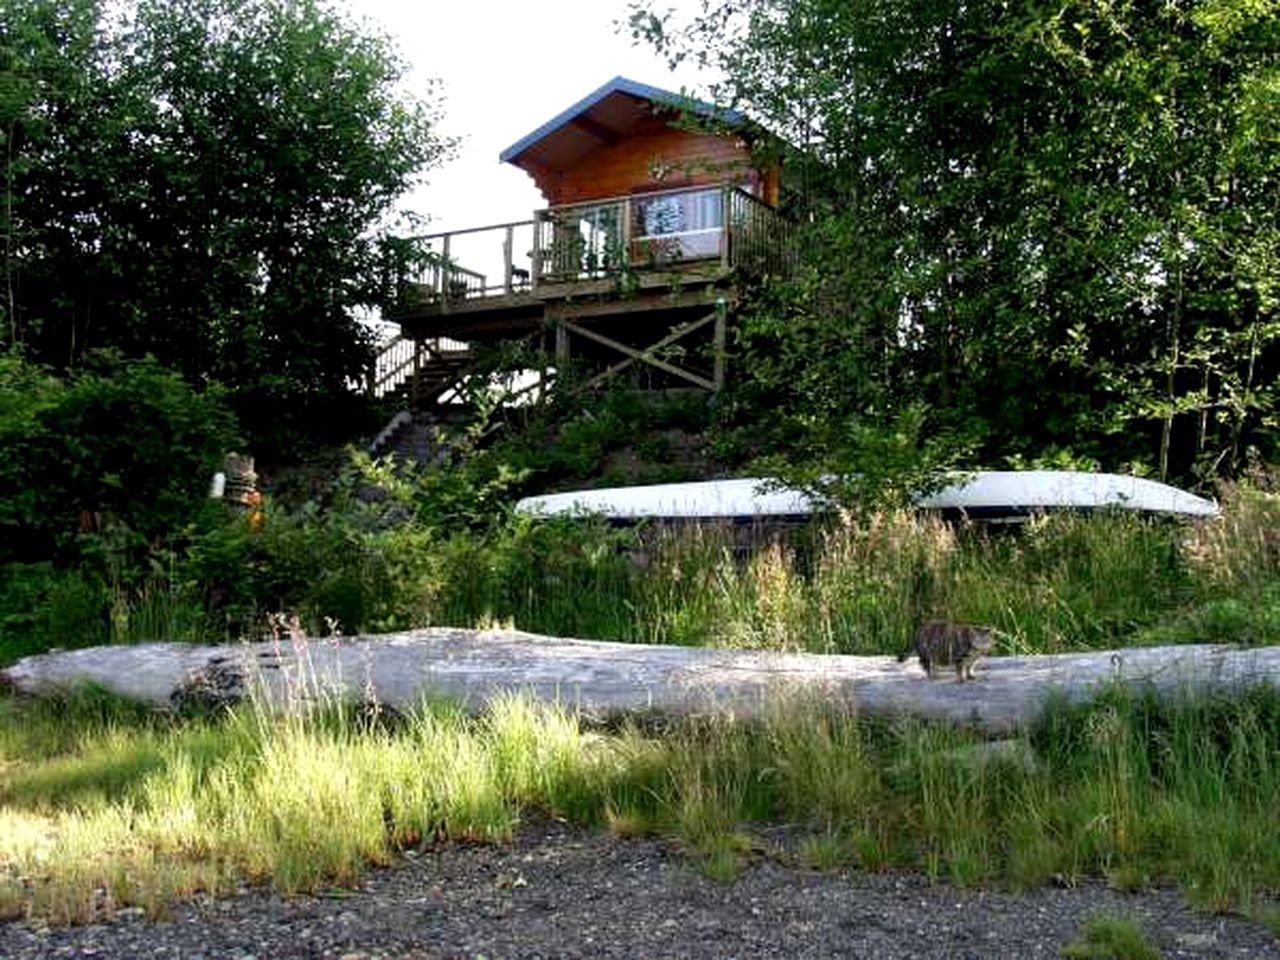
point(105, 477)
point(1034, 232)
point(124, 450)
point(200, 180)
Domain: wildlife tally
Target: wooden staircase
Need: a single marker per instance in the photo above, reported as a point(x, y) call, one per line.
point(419, 372)
point(424, 380)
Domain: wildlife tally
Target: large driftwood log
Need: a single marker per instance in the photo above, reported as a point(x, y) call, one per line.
point(605, 679)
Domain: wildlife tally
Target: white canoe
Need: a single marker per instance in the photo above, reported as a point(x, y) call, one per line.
point(986, 494)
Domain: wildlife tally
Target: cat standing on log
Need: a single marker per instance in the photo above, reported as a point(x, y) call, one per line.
point(940, 643)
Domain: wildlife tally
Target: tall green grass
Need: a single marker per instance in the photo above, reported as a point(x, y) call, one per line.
point(103, 806)
point(1059, 583)
point(861, 585)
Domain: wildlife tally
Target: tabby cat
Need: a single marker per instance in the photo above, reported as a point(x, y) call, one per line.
point(942, 644)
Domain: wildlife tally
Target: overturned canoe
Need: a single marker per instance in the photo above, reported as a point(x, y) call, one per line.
point(990, 494)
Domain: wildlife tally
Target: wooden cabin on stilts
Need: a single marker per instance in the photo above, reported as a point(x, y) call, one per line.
point(658, 215)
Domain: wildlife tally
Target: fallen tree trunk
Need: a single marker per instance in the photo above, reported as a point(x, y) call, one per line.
point(608, 679)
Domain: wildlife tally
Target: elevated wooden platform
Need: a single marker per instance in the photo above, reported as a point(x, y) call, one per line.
point(489, 315)
point(614, 285)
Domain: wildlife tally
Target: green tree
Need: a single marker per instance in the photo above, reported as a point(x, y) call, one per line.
point(1031, 230)
point(204, 181)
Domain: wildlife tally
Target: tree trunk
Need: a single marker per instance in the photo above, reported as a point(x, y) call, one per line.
point(610, 679)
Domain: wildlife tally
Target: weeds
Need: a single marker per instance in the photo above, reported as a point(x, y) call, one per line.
point(857, 586)
point(1105, 937)
point(103, 806)
point(863, 586)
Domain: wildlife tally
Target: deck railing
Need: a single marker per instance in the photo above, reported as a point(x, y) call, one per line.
point(497, 261)
point(759, 241)
point(661, 230)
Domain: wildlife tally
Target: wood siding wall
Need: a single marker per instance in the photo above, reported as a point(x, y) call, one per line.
point(656, 157)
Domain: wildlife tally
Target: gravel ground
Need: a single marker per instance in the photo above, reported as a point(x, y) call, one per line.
point(560, 891)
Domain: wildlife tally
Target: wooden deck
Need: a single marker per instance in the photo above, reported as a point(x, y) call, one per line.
point(651, 251)
point(621, 284)
point(496, 316)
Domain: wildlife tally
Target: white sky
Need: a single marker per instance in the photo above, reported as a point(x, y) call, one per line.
point(507, 68)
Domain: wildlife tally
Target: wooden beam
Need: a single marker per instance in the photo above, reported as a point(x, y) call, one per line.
point(535, 254)
point(688, 276)
point(647, 301)
point(444, 275)
point(415, 385)
point(646, 355)
point(726, 235)
point(507, 242)
point(459, 233)
point(596, 130)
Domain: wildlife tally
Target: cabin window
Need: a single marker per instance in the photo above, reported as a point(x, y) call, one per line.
point(680, 225)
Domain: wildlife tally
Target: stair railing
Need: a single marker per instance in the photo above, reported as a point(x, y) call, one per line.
point(401, 358)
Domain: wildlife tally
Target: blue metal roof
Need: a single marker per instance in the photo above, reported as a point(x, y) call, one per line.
point(621, 85)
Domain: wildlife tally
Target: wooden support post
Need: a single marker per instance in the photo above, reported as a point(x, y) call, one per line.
point(506, 259)
point(415, 384)
point(545, 363)
point(535, 268)
point(625, 235)
point(562, 345)
point(726, 229)
point(722, 312)
point(446, 276)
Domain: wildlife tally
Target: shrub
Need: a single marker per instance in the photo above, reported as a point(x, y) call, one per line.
point(42, 606)
point(123, 450)
point(1105, 937)
point(344, 567)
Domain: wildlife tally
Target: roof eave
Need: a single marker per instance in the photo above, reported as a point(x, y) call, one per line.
point(621, 84)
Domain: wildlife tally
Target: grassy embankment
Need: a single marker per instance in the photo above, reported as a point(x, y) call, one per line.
point(102, 806)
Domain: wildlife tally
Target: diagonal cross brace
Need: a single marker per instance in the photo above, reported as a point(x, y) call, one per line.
point(646, 355)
